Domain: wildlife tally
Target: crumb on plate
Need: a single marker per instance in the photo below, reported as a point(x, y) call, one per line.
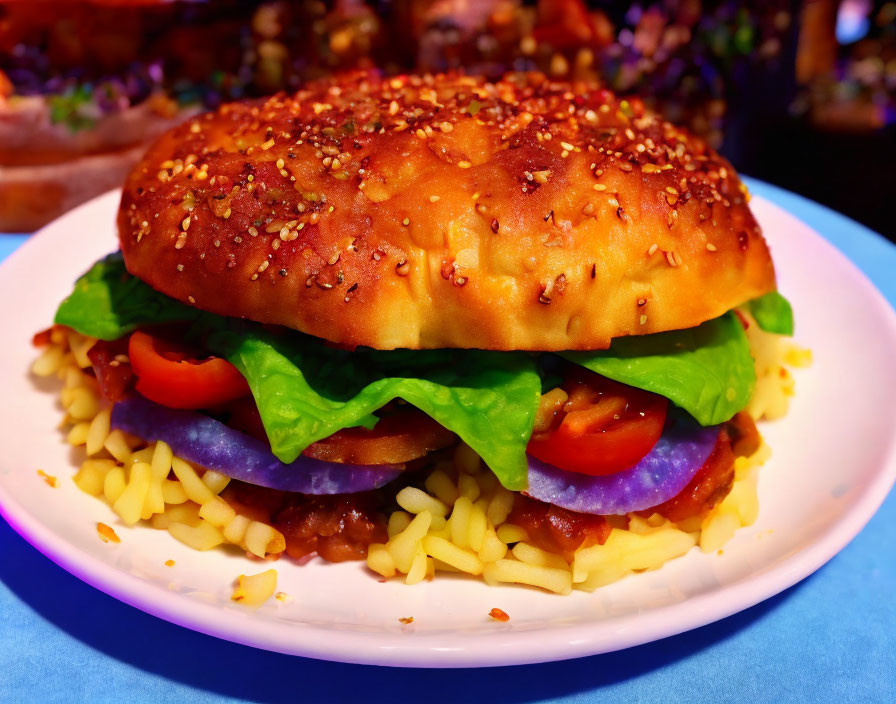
point(48, 478)
point(107, 535)
point(499, 615)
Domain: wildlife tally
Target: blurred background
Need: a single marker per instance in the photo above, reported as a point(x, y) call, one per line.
point(800, 94)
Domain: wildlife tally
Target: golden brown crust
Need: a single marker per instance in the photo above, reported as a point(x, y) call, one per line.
point(444, 211)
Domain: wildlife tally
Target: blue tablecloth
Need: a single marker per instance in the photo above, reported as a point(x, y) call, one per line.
point(831, 638)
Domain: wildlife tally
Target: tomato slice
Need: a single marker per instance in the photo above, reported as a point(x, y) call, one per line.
point(604, 427)
point(170, 374)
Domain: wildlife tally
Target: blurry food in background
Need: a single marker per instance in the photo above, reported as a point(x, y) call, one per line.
point(295, 41)
point(86, 84)
point(847, 62)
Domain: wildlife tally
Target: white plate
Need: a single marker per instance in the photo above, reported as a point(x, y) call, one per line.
point(834, 461)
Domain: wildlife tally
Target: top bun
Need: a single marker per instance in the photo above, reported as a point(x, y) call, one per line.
point(445, 211)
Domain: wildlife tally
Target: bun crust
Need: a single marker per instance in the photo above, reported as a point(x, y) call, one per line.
point(445, 211)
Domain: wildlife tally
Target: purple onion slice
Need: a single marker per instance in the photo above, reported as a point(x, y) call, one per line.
point(211, 444)
point(662, 474)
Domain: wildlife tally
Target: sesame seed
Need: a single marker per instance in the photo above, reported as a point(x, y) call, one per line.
point(652, 249)
point(267, 145)
point(181, 240)
point(711, 247)
point(434, 199)
point(464, 164)
point(599, 187)
point(186, 223)
point(180, 267)
point(643, 319)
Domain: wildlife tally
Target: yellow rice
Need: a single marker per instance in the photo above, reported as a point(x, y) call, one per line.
point(456, 522)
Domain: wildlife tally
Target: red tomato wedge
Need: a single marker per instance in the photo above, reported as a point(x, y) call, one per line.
point(170, 374)
point(603, 428)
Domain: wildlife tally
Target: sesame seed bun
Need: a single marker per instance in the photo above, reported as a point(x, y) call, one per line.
point(445, 211)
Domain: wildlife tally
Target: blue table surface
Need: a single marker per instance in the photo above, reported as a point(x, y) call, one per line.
point(830, 638)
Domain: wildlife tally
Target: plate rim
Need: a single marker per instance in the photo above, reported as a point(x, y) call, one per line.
point(501, 650)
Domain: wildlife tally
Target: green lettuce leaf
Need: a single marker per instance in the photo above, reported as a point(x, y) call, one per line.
point(108, 302)
point(707, 370)
point(306, 391)
point(772, 313)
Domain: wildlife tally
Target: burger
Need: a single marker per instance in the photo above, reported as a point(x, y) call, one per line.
point(518, 329)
